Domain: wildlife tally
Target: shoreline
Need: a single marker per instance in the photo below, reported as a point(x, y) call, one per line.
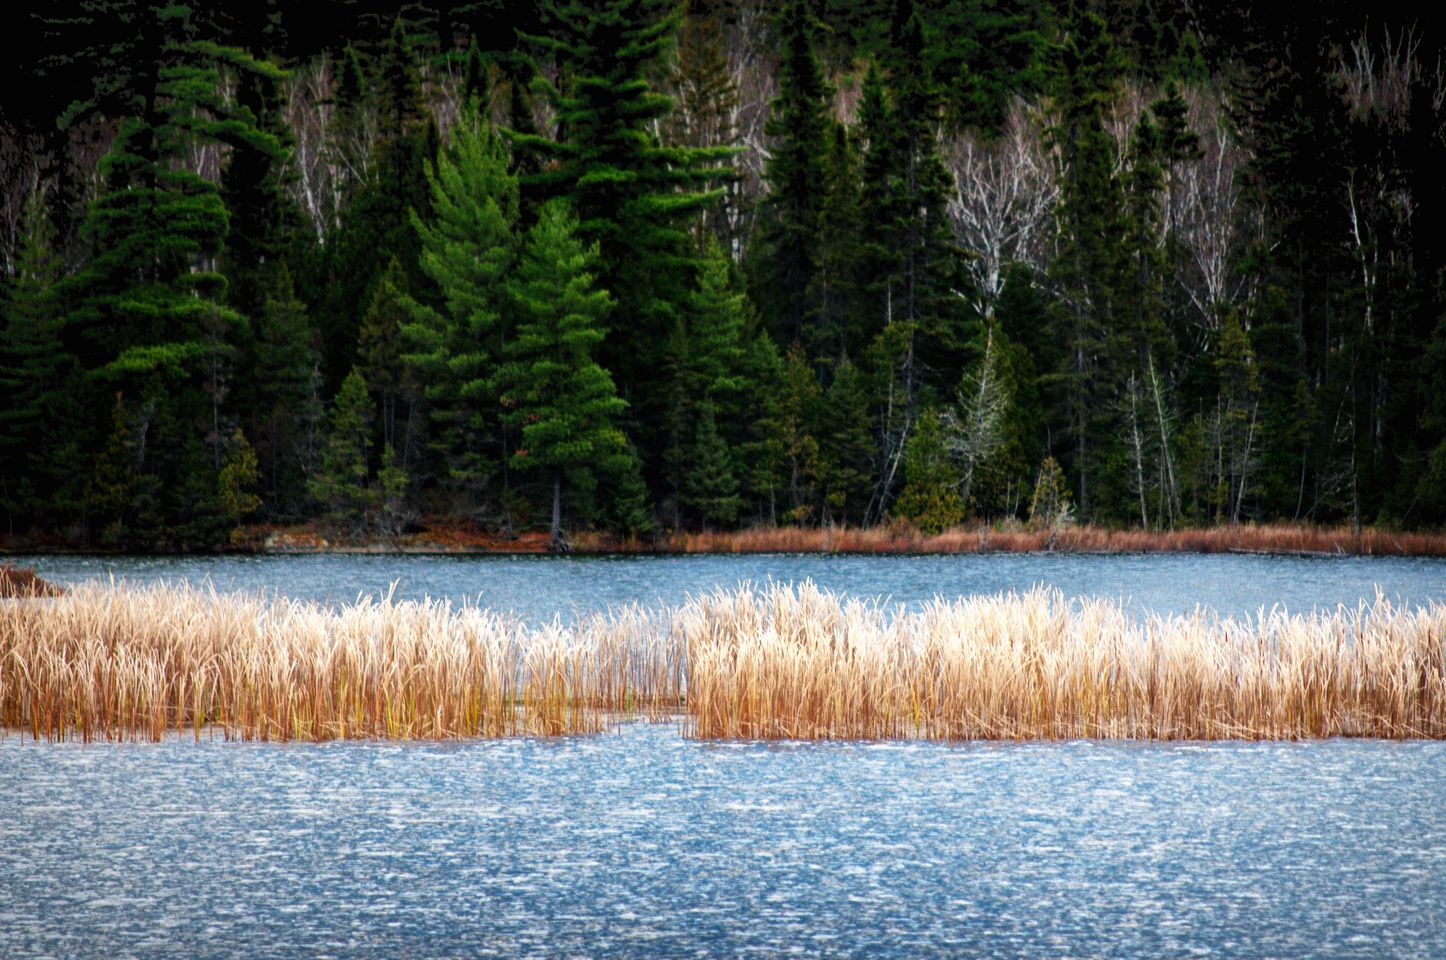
point(1297, 540)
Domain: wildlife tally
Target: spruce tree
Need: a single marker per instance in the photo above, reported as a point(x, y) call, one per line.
point(633, 196)
point(342, 486)
point(456, 350)
point(555, 392)
point(710, 486)
point(930, 498)
point(377, 226)
point(1089, 266)
point(786, 251)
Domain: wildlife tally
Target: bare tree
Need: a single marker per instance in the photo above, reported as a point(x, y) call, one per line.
point(1005, 189)
point(1209, 220)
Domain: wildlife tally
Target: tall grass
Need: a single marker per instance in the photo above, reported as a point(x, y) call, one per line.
point(116, 662)
point(779, 662)
point(1283, 538)
point(141, 662)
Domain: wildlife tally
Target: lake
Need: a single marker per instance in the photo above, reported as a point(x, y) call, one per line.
point(540, 586)
point(639, 842)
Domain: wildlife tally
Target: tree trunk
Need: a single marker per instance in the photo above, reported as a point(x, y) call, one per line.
point(557, 543)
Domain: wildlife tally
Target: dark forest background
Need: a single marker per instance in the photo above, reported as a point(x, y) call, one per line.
point(634, 266)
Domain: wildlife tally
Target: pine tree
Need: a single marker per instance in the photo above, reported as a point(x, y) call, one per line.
point(786, 251)
point(342, 485)
point(563, 402)
point(150, 317)
point(930, 498)
point(467, 249)
point(633, 196)
point(710, 487)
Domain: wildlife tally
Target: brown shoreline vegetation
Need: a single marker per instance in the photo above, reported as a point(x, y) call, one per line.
point(894, 538)
point(24, 582)
point(115, 662)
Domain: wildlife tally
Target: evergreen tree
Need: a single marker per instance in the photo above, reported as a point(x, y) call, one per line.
point(796, 434)
point(379, 346)
point(633, 196)
point(710, 487)
point(467, 249)
point(342, 485)
point(837, 324)
point(930, 498)
point(563, 402)
point(38, 462)
point(786, 252)
point(149, 316)
point(377, 226)
point(849, 447)
point(1088, 268)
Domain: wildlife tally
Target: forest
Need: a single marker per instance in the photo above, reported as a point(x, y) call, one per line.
point(639, 266)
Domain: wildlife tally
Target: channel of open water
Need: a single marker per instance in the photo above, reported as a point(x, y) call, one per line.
point(641, 843)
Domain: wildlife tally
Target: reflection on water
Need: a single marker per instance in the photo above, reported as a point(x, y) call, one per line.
point(647, 844)
point(543, 586)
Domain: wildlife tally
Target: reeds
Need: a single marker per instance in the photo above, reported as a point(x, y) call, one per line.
point(116, 662)
point(1280, 538)
point(800, 663)
point(107, 662)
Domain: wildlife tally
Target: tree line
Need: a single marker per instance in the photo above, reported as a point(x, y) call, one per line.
point(635, 266)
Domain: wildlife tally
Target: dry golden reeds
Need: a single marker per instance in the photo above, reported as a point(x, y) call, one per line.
point(1279, 538)
point(113, 662)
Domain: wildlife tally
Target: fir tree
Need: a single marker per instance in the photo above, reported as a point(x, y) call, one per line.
point(467, 249)
point(342, 485)
point(786, 251)
point(633, 196)
point(563, 402)
point(930, 498)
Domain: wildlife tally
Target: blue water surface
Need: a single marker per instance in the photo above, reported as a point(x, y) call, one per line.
point(542, 586)
point(641, 843)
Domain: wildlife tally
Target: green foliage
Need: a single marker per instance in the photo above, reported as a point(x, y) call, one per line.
point(236, 483)
point(1050, 506)
point(555, 392)
point(467, 249)
point(342, 485)
point(787, 255)
point(710, 487)
point(634, 196)
point(930, 498)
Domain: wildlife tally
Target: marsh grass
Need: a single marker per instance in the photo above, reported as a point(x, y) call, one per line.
point(757, 662)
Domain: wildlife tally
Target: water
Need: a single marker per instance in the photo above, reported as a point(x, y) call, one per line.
point(539, 587)
point(640, 843)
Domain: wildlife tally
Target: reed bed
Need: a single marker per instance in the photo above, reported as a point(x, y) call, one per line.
point(757, 662)
point(117, 662)
point(788, 663)
point(1280, 538)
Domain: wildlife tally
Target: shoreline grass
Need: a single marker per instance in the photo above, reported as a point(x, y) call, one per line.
point(106, 661)
point(1289, 539)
